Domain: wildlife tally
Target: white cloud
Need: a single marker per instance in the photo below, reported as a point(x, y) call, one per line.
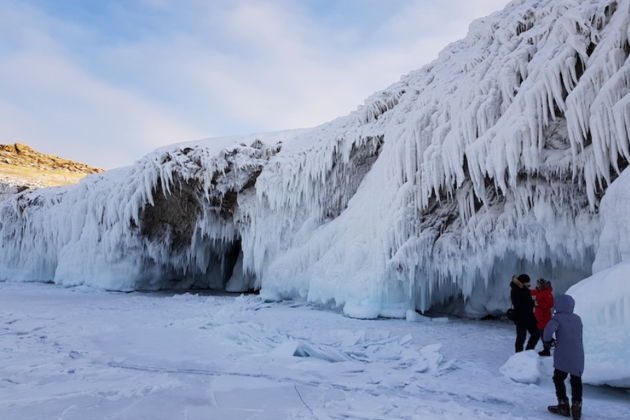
point(62, 104)
point(225, 67)
point(50, 102)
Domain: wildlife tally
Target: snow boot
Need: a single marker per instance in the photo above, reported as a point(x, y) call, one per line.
point(544, 352)
point(576, 410)
point(562, 408)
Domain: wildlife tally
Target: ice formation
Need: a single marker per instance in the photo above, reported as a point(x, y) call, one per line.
point(7, 187)
point(603, 303)
point(603, 300)
point(489, 161)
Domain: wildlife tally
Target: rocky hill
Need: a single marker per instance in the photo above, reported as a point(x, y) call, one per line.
point(23, 168)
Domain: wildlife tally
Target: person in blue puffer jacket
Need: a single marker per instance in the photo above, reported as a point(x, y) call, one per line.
point(568, 358)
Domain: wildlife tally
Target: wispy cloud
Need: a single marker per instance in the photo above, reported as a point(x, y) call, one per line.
point(110, 86)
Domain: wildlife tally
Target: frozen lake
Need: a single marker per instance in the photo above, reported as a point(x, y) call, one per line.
point(84, 354)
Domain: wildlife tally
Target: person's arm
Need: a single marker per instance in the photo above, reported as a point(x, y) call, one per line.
point(550, 329)
point(517, 282)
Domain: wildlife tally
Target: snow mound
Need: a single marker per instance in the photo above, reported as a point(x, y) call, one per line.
point(523, 367)
point(603, 303)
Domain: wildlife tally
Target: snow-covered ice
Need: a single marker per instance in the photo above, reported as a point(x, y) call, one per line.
point(80, 354)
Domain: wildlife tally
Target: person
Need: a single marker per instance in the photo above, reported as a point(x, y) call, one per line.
point(523, 313)
point(543, 297)
point(568, 359)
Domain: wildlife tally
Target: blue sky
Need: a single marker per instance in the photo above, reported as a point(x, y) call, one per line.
point(106, 81)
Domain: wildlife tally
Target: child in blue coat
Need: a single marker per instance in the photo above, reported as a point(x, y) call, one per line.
point(568, 359)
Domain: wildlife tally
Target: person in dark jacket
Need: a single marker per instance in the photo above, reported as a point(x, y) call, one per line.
point(523, 313)
point(568, 359)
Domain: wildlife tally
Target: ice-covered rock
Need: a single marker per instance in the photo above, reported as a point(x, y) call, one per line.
point(523, 367)
point(489, 161)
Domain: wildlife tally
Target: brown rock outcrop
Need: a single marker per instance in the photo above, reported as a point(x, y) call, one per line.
point(19, 154)
point(22, 166)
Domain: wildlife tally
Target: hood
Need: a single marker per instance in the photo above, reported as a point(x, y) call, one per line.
point(564, 304)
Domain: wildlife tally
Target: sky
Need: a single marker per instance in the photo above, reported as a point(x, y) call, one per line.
point(105, 82)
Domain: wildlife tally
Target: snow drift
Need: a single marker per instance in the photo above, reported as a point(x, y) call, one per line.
point(489, 161)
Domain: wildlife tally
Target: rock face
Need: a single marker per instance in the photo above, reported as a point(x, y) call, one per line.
point(19, 154)
point(490, 161)
point(23, 168)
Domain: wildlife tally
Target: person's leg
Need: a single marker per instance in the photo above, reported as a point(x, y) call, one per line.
point(558, 380)
point(576, 388)
point(561, 392)
point(533, 336)
point(521, 333)
point(576, 397)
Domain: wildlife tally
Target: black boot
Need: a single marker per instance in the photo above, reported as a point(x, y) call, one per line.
point(576, 410)
point(562, 408)
point(544, 352)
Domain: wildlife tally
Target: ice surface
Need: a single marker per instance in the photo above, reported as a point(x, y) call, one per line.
point(523, 367)
point(603, 302)
point(77, 354)
point(489, 161)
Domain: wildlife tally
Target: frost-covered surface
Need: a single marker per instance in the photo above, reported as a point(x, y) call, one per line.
point(614, 242)
point(135, 225)
point(603, 300)
point(77, 354)
point(603, 303)
point(6, 188)
point(9, 186)
point(489, 161)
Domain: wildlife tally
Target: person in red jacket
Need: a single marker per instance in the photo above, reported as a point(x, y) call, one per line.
point(543, 295)
point(543, 305)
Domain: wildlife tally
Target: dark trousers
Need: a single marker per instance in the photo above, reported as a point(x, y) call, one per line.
point(561, 390)
point(521, 332)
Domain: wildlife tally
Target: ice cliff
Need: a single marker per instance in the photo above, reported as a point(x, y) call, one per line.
point(491, 160)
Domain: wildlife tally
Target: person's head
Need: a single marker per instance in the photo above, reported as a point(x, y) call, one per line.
point(524, 279)
point(542, 284)
point(564, 304)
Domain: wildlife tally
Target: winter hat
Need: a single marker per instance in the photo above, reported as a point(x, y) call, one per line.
point(524, 278)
